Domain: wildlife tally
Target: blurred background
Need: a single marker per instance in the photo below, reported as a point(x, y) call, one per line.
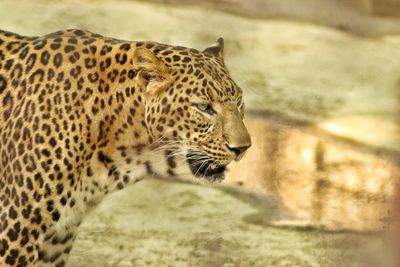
point(321, 83)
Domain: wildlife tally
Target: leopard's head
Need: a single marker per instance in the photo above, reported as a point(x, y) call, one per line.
point(193, 107)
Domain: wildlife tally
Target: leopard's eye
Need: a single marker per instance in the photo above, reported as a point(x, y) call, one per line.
point(205, 107)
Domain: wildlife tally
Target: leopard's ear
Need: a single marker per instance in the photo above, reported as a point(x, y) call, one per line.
point(216, 49)
point(152, 73)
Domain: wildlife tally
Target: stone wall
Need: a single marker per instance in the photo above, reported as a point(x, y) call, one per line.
point(389, 8)
point(361, 5)
point(386, 8)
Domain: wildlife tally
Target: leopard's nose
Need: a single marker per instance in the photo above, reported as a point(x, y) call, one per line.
point(238, 150)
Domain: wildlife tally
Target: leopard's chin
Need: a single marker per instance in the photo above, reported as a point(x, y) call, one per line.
point(215, 178)
point(204, 167)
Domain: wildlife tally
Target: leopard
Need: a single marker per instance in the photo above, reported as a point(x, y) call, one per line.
point(83, 115)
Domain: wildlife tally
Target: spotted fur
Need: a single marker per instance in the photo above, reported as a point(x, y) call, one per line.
point(82, 115)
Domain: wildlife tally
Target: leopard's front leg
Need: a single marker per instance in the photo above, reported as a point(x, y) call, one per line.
point(55, 249)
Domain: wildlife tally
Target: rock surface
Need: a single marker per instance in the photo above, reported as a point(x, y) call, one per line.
point(324, 180)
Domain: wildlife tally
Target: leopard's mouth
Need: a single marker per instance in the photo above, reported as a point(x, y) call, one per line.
point(204, 167)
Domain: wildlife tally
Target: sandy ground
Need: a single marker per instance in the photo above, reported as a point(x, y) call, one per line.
point(159, 223)
point(330, 78)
